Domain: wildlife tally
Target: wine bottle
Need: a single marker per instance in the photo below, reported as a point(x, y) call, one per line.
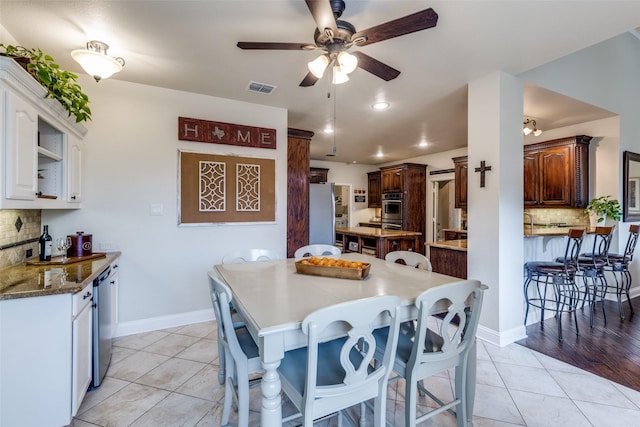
point(46, 243)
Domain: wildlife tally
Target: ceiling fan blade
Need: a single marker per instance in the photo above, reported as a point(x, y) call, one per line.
point(323, 15)
point(275, 46)
point(418, 21)
point(309, 80)
point(376, 67)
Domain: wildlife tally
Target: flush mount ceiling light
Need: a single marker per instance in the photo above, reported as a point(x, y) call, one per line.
point(95, 61)
point(380, 105)
point(531, 127)
point(344, 64)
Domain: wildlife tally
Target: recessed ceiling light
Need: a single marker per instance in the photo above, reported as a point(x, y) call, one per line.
point(423, 144)
point(328, 129)
point(380, 105)
point(379, 154)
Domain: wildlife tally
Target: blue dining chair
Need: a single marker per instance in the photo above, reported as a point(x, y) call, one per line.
point(329, 374)
point(241, 354)
point(428, 352)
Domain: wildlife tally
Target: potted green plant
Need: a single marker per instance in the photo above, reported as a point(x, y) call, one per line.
point(603, 207)
point(61, 85)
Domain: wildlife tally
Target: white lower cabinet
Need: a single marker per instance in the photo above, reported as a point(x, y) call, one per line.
point(81, 348)
point(45, 358)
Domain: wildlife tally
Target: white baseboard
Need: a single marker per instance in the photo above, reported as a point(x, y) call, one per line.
point(163, 322)
point(501, 339)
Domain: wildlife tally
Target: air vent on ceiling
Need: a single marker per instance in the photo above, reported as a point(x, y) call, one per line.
point(260, 87)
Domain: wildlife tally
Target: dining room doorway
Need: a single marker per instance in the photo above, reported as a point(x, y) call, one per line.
point(444, 213)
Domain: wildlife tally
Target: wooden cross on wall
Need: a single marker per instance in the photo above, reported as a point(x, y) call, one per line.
point(482, 169)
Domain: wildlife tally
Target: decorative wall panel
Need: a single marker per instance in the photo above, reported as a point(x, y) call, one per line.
point(225, 189)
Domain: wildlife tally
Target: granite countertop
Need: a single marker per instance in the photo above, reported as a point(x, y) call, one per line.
point(23, 281)
point(376, 232)
point(457, 230)
point(378, 223)
point(455, 245)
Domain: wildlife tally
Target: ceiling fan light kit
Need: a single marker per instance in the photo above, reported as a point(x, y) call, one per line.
point(95, 61)
point(335, 37)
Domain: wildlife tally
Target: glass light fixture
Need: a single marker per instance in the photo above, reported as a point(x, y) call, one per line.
point(530, 126)
point(318, 65)
point(339, 76)
point(95, 61)
point(348, 62)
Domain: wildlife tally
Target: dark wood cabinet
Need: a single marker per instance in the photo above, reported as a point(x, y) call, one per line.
point(461, 174)
point(556, 173)
point(448, 261)
point(410, 179)
point(318, 175)
point(297, 189)
point(455, 235)
point(375, 189)
point(392, 181)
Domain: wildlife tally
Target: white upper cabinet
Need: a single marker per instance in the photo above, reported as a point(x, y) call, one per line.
point(21, 134)
point(42, 146)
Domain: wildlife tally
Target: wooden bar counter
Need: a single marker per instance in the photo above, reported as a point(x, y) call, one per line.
point(449, 257)
point(376, 241)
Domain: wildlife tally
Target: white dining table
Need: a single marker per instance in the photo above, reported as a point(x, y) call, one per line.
point(274, 299)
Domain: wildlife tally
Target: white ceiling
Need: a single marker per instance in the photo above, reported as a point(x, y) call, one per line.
point(191, 46)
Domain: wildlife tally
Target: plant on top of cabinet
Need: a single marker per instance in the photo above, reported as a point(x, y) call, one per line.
point(604, 207)
point(61, 85)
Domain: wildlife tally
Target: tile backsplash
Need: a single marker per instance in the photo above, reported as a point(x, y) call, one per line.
point(571, 217)
point(14, 243)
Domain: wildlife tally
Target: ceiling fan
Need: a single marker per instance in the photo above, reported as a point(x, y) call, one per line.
point(335, 37)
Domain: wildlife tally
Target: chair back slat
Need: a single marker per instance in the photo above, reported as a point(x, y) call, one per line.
point(360, 378)
point(221, 298)
point(410, 258)
point(634, 229)
point(461, 302)
point(318, 250)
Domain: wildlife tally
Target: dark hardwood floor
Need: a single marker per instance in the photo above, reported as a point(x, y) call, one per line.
point(611, 351)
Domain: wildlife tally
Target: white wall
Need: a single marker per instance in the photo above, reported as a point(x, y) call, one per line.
point(131, 162)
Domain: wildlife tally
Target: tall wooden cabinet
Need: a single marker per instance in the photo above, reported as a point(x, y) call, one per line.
point(556, 173)
point(410, 179)
point(298, 176)
point(461, 174)
point(375, 189)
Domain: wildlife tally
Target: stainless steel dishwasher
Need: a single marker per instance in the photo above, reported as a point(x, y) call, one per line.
point(102, 325)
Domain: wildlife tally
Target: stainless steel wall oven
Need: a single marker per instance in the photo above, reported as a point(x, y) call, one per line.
point(392, 211)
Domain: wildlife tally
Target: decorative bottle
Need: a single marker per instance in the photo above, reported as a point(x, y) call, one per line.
point(46, 243)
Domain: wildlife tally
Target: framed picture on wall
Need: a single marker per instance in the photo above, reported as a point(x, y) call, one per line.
point(634, 196)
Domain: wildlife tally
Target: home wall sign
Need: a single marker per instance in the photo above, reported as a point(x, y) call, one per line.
point(225, 133)
point(218, 188)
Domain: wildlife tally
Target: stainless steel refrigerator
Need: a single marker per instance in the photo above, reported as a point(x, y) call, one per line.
point(322, 214)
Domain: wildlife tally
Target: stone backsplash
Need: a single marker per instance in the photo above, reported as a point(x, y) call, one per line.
point(19, 231)
point(571, 217)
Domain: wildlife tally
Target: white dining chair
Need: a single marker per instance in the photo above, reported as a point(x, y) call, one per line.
point(237, 257)
point(328, 376)
point(430, 352)
point(318, 250)
point(410, 258)
point(249, 255)
point(241, 354)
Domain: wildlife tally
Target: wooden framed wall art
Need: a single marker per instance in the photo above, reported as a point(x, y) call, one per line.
point(217, 188)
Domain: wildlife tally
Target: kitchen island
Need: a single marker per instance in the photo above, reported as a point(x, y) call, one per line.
point(449, 257)
point(376, 241)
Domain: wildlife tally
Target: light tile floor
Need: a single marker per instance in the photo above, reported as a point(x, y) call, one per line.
point(169, 378)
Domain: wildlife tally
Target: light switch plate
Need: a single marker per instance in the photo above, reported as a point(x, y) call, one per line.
point(156, 209)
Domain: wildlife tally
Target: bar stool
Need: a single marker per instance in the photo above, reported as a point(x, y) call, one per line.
point(554, 282)
point(618, 265)
point(591, 269)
